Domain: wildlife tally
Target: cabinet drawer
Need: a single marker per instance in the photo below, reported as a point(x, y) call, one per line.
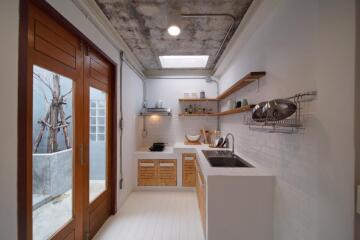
point(147, 173)
point(167, 172)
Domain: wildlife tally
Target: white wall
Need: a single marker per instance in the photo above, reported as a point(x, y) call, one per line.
point(9, 25)
point(173, 129)
point(132, 103)
point(302, 45)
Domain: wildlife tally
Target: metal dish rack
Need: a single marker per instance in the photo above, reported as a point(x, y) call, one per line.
point(289, 125)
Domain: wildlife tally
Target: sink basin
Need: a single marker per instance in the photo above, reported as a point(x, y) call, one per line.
point(225, 159)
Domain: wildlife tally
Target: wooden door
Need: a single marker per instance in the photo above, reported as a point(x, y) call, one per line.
point(98, 95)
point(58, 71)
point(54, 124)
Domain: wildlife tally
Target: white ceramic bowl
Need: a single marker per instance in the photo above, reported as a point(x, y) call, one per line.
point(192, 138)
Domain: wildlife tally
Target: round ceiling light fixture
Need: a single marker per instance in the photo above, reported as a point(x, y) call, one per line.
point(174, 30)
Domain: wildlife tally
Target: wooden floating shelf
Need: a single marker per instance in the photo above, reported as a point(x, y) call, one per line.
point(228, 112)
point(197, 99)
point(196, 114)
point(235, 111)
point(249, 78)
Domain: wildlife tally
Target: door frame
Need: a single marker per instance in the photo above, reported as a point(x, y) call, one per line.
point(24, 181)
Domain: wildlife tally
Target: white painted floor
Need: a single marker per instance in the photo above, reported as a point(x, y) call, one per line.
point(53, 215)
point(155, 215)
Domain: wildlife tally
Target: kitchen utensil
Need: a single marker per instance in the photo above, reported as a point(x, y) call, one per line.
point(231, 104)
point(244, 102)
point(220, 142)
point(159, 104)
point(238, 104)
point(224, 143)
point(192, 138)
point(279, 109)
point(202, 94)
point(203, 133)
point(258, 112)
point(157, 147)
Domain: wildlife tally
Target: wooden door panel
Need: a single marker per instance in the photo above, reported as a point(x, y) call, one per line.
point(98, 216)
point(52, 43)
point(98, 66)
point(54, 49)
point(54, 38)
point(51, 39)
point(98, 75)
point(50, 50)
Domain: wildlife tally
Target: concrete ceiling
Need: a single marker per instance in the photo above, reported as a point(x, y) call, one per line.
point(143, 26)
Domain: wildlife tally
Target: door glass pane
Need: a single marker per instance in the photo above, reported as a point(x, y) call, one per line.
point(97, 183)
point(52, 159)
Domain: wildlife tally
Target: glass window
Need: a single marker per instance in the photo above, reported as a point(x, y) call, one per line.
point(97, 165)
point(52, 159)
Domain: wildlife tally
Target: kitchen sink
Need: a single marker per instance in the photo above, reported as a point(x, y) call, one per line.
point(225, 159)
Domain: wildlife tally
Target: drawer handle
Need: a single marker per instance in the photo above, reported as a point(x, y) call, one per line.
point(167, 164)
point(147, 164)
point(189, 158)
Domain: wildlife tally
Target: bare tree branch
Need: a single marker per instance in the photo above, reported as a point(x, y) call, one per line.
point(37, 76)
point(63, 96)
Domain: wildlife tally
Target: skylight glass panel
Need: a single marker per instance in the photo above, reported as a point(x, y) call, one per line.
point(184, 61)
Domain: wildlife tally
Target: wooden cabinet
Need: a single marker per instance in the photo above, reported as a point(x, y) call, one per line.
point(188, 169)
point(167, 172)
point(201, 194)
point(147, 173)
point(157, 172)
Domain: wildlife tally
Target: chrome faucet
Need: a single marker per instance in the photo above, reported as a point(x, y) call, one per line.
point(233, 141)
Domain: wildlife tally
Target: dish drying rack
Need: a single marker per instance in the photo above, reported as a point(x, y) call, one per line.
point(289, 125)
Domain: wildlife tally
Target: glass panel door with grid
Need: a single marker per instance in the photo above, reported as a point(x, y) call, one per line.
point(98, 144)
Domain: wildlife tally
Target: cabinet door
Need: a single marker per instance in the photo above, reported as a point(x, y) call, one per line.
point(147, 173)
point(167, 172)
point(188, 170)
point(201, 195)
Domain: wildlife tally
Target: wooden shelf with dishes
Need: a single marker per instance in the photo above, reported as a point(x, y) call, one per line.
point(247, 79)
point(196, 114)
point(228, 112)
point(235, 110)
point(198, 100)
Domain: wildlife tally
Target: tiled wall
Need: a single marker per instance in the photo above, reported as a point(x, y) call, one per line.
point(297, 44)
point(173, 129)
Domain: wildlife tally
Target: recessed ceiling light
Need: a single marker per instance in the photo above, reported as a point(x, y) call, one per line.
point(174, 30)
point(184, 61)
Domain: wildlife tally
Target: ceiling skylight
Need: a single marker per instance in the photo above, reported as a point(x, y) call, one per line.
point(184, 61)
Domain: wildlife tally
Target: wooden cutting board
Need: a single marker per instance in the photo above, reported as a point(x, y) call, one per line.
point(192, 143)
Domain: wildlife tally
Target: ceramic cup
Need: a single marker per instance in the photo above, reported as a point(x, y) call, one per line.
point(244, 102)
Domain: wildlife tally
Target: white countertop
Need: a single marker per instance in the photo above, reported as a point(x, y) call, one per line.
point(145, 153)
point(171, 153)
